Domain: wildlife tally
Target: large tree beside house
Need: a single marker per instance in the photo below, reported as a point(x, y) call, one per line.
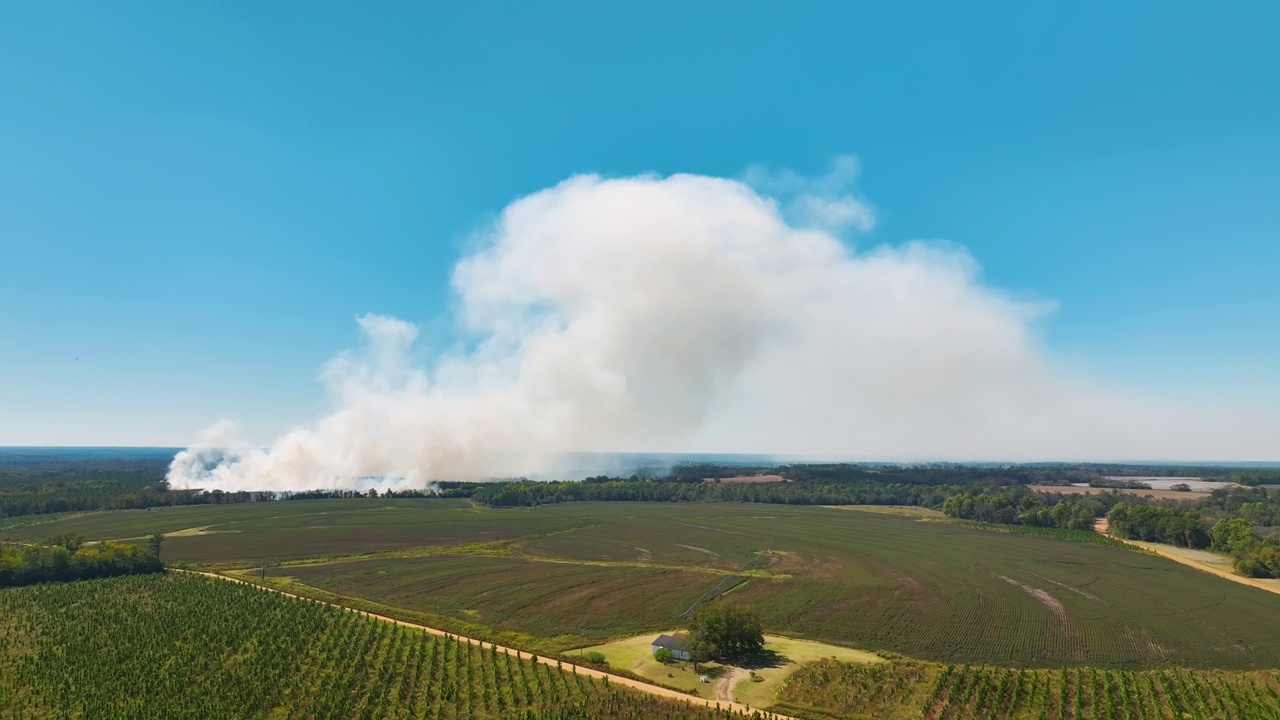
point(722, 632)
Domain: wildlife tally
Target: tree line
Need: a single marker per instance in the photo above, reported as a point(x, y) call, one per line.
point(68, 557)
point(527, 493)
point(1016, 505)
point(1254, 554)
point(32, 494)
point(1152, 523)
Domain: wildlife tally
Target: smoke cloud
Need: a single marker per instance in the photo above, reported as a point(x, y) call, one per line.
point(703, 314)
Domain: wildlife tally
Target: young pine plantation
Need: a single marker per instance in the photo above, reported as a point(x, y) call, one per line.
point(183, 646)
point(901, 690)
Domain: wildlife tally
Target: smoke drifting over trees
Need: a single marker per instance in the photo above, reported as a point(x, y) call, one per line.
point(693, 313)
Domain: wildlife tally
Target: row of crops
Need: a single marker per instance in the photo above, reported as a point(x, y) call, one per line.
point(971, 692)
point(182, 646)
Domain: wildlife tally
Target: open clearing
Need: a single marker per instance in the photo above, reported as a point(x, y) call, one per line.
point(1166, 483)
point(1139, 492)
point(913, 511)
point(582, 574)
point(785, 655)
point(748, 479)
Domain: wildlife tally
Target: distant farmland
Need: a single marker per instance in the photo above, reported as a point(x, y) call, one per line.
point(578, 574)
point(1138, 492)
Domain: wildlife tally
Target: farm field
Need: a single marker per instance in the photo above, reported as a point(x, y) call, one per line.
point(182, 646)
point(1137, 492)
point(907, 690)
point(584, 574)
point(563, 601)
point(300, 529)
point(1207, 561)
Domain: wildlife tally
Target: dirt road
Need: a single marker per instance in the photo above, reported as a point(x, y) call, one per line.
point(568, 667)
point(724, 689)
point(1188, 558)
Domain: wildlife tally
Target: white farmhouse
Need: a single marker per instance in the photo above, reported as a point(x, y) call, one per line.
point(672, 643)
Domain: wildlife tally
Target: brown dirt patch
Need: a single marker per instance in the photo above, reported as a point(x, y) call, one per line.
point(1041, 596)
point(711, 553)
point(747, 479)
point(724, 689)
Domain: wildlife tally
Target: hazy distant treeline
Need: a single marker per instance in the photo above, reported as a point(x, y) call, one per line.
point(991, 495)
point(527, 493)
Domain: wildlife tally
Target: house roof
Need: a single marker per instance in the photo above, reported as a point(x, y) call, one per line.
point(671, 642)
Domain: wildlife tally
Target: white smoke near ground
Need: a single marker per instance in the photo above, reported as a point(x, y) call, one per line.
point(693, 313)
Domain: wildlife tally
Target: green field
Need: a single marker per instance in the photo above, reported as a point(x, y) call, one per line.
point(908, 690)
point(299, 529)
point(586, 573)
point(184, 646)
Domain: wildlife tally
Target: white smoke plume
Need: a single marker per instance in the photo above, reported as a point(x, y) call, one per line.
point(693, 313)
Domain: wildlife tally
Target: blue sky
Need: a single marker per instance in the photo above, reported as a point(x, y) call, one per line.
point(197, 199)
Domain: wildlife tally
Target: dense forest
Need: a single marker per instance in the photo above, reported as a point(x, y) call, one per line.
point(42, 481)
point(1153, 523)
point(39, 481)
point(70, 558)
point(1235, 532)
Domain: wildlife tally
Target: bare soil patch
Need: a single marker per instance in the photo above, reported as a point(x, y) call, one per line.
point(195, 531)
point(747, 479)
point(1073, 589)
point(899, 510)
point(1042, 596)
point(711, 553)
point(724, 689)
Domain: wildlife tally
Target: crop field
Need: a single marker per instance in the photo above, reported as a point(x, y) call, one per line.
point(509, 594)
point(190, 647)
point(299, 529)
point(588, 573)
point(903, 690)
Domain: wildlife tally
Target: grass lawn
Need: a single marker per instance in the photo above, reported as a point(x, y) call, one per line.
point(635, 654)
point(795, 653)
